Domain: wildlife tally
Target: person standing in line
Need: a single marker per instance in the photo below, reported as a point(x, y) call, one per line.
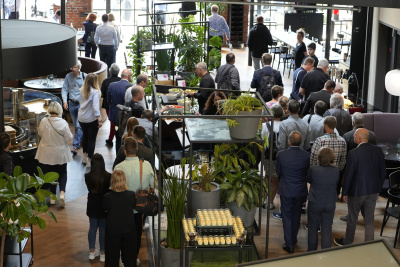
point(6, 163)
point(228, 75)
point(364, 175)
point(121, 236)
point(88, 37)
point(53, 152)
point(89, 115)
point(218, 25)
point(111, 21)
point(143, 81)
point(311, 53)
point(107, 40)
point(300, 51)
point(98, 182)
point(259, 40)
point(322, 199)
point(298, 75)
point(70, 91)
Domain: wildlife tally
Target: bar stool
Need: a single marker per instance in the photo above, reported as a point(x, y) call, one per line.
point(285, 56)
point(342, 42)
point(274, 49)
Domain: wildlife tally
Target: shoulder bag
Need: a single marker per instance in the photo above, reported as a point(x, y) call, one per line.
point(146, 200)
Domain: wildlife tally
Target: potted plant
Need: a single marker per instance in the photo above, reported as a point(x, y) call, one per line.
point(245, 104)
point(19, 208)
point(174, 195)
point(205, 193)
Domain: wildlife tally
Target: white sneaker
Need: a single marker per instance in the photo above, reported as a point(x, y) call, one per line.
point(137, 262)
point(88, 163)
point(146, 226)
point(61, 200)
point(84, 158)
point(102, 257)
point(52, 201)
point(94, 254)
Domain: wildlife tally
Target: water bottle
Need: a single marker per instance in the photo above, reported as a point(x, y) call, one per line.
point(290, 29)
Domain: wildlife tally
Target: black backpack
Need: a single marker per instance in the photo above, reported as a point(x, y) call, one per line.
point(124, 113)
point(266, 84)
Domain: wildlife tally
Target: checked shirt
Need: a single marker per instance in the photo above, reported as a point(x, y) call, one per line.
point(336, 143)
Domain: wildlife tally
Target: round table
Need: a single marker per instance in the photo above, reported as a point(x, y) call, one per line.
point(43, 84)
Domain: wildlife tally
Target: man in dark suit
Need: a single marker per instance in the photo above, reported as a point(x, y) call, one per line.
point(206, 82)
point(292, 166)
point(364, 175)
point(323, 95)
point(116, 96)
point(114, 71)
point(358, 122)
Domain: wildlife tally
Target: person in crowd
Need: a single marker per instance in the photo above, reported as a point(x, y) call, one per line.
point(137, 93)
point(137, 177)
point(338, 88)
point(322, 199)
point(144, 151)
point(146, 121)
point(361, 184)
point(323, 95)
point(107, 40)
point(6, 164)
point(89, 115)
point(70, 91)
point(53, 152)
point(212, 103)
point(277, 92)
point(277, 111)
point(298, 75)
point(314, 80)
point(311, 47)
point(335, 142)
point(291, 166)
point(357, 122)
point(259, 40)
point(300, 50)
point(143, 81)
point(121, 239)
point(283, 101)
point(228, 75)
point(111, 22)
point(57, 16)
point(266, 70)
point(90, 29)
point(293, 123)
point(206, 82)
point(114, 71)
point(116, 96)
point(218, 25)
point(98, 182)
point(316, 121)
point(342, 116)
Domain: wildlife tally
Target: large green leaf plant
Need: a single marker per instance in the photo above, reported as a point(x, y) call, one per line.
point(19, 208)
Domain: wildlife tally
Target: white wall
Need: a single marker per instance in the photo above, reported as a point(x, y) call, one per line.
point(390, 16)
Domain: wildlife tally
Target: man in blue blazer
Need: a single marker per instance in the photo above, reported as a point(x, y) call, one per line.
point(291, 166)
point(364, 175)
point(116, 96)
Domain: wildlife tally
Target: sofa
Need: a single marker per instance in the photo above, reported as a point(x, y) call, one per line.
point(386, 126)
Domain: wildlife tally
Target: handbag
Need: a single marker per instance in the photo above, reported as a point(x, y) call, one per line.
point(146, 200)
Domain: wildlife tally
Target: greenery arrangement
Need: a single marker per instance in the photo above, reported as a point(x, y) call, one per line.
point(214, 56)
point(245, 102)
point(174, 195)
point(135, 43)
point(194, 81)
point(19, 208)
point(204, 175)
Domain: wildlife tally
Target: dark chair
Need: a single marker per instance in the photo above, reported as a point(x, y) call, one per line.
point(274, 50)
point(337, 50)
point(394, 211)
point(285, 56)
point(81, 48)
point(394, 179)
point(342, 42)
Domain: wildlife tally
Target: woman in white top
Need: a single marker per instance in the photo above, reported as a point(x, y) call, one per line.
point(111, 21)
point(89, 115)
point(53, 152)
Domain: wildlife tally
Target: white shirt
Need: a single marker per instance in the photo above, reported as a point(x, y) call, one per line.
point(106, 35)
point(89, 108)
point(111, 23)
point(55, 136)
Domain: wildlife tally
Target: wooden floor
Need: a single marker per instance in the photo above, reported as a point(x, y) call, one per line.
point(65, 243)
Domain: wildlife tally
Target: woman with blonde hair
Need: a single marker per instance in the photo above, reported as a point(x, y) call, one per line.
point(53, 152)
point(111, 21)
point(88, 38)
point(89, 116)
point(120, 223)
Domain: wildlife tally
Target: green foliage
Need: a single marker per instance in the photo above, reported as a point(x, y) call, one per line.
point(214, 56)
point(204, 175)
point(19, 208)
point(135, 42)
point(194, 81)
point(245, 102)
point(221, 8)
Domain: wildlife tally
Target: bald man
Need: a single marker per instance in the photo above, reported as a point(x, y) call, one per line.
point(292, 166)
point(364, 175)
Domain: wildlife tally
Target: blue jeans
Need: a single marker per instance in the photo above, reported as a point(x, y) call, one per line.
point(94, 224)
point(73, 111)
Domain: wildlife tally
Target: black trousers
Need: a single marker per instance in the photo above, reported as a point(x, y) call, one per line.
point(90, 50)
point(291, 214)
point(139, 229)
point(121, 244)
point(89, 131)
point(61, 169)
point(320, 215)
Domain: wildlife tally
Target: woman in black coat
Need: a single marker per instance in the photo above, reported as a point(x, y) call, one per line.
point(98, 183)
point(322, 199)
point(88, 38)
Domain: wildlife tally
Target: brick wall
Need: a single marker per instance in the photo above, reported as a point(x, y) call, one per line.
point(76, 10)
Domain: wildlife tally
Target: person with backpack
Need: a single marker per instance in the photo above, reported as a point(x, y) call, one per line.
point(259, 40)
point(264, 79)
point(88, 38)
point(228, 75)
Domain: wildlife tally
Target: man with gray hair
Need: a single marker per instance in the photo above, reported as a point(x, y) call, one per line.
point(71, 91)
point(342, 116)
point(315, 79)
point(143, 81)
point(114, 71)
point(338, 88)
point(358, 122)
point(137, 95)
point(206, 82)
